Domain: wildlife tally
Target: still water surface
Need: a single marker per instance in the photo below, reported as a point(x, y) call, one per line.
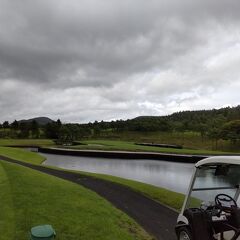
point(170, 175)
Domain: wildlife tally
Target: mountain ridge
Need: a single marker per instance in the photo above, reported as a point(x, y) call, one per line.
point(40, 120)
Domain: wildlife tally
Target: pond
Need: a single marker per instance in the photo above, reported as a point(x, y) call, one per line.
point(170, 175)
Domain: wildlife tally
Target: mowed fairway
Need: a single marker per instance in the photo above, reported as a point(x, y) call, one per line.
point(26, 142)
point(112, 145)
point(21, 155)
point(30, 198)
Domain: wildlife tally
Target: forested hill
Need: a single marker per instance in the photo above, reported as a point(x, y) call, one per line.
point(217, 123)
point(203, 115)
point(40, 120)
point(192, 120)
point(200, 115)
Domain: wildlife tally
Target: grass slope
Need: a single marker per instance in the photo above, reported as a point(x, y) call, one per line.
point(7, 213)
point(26, 142)
point(31, 198)
point(187, 139)
point(130, 146)
point(21, 155)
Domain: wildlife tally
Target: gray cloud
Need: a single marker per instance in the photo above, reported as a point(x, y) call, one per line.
point(90, 59)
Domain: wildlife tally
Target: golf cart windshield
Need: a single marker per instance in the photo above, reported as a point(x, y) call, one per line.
point(211, 180)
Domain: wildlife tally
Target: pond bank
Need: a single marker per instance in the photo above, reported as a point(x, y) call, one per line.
point(124, 154)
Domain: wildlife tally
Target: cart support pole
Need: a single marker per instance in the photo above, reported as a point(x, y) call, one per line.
point(187, 198)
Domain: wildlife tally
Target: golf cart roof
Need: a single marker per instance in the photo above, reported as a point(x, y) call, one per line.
point(219, 160)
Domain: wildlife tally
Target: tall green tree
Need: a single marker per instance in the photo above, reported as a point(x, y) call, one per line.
point(24, 130)
point(34, 127)
point(6, 124)
point(52, 130)
point(15, 125)
point(231, 131)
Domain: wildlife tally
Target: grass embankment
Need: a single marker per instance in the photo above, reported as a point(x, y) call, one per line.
point(187, 139)
point(21, 155)
point(30, 198)
point(162, 195)
point(26, 142)
point(131, 146)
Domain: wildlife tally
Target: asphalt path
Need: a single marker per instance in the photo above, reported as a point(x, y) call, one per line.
point(158, 220)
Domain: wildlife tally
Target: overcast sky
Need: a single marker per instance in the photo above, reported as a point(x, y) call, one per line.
point(86, 60)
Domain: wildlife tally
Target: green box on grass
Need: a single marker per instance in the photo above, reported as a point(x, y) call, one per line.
point(43, 232)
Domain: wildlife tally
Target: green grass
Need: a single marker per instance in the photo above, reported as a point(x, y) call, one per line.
point(131, 146)
point(30, 198)
point(21, 155)
point(7, 213)
point(26, 142)
point(186, 139)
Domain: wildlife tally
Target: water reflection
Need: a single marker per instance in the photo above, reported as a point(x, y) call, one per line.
point(171, 175)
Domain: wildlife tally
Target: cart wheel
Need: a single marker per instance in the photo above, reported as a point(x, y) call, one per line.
point(184, 234)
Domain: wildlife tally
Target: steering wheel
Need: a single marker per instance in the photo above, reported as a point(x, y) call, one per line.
point(225, 202)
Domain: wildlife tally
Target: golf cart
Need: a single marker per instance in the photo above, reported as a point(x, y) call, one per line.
point(210, 209)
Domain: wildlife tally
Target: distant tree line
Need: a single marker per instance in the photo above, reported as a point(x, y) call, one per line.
point(19, 130)
point(62, 133)
point(215, 124)
point(65, 133)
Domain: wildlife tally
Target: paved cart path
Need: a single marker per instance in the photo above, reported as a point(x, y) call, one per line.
point(155, 218)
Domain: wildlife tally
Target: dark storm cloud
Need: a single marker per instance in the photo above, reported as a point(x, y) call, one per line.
point(140, 56)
